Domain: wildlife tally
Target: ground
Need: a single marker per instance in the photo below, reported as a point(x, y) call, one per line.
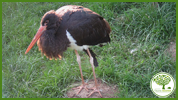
point(107, 91)
point(172, 49)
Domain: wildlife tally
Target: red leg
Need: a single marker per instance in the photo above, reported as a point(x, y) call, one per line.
point(83, 86)
point(95, 89)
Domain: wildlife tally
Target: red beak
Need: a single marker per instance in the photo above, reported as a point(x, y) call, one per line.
point(36, 37)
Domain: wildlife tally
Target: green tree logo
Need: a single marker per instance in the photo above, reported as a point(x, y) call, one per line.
point(162, 84)
point(162, 80)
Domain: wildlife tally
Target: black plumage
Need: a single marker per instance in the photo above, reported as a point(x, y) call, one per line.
point(84, 25)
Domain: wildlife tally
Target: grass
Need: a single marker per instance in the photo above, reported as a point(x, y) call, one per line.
point(135, 26)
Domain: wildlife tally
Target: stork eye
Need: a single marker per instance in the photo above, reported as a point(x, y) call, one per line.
point(46, 22)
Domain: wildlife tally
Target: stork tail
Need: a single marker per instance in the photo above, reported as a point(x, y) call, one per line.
point(94, 57)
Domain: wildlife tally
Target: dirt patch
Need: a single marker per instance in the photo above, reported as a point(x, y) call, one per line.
point(172, 49)
point(106, 90)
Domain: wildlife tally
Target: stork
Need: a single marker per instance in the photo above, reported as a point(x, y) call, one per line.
point(74, 27)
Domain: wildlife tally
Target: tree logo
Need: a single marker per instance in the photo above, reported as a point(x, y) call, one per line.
point(162, 84)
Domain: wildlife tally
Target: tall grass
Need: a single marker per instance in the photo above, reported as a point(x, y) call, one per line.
point(136, 26)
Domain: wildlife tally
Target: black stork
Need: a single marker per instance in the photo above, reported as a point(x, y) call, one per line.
point(75, 27)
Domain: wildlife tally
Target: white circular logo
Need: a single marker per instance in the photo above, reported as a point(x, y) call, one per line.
point(162, 84)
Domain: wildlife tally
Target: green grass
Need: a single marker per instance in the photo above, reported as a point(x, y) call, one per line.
point(138, 26)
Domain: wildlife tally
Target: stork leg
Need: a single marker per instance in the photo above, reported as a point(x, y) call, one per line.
point(83, 86)
point(95, 89)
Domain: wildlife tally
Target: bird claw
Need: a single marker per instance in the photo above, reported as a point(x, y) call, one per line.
point(83, 86)
point(95, 90)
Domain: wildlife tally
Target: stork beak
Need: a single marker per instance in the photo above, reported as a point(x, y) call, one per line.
point(36, 37)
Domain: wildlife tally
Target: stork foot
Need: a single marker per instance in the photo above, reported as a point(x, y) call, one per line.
point(83, 86)
point(95, 90)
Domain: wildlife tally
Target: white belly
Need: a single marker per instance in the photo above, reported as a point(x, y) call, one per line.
point(73, 44)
